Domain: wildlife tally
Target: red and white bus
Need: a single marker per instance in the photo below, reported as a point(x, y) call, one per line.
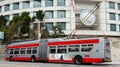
point(87, 50)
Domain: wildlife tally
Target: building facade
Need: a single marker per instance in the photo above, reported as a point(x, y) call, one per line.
point(66, 13)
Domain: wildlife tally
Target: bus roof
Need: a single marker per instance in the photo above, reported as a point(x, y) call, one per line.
point(55, 41)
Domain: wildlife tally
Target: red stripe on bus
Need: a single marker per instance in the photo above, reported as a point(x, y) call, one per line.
point(23, 45)
point(7, 58)
point(85, 60)
point(22, 58)
point(60, 60)
point(89, 60)
point(74, 42)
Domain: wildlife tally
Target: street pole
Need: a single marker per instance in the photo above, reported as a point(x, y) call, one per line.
point(39, 34)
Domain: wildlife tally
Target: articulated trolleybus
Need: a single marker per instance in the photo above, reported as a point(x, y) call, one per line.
point(87, 50)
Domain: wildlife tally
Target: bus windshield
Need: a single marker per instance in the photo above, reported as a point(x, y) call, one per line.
point(107, 50)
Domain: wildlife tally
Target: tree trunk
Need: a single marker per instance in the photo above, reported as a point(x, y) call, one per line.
point(39, 34)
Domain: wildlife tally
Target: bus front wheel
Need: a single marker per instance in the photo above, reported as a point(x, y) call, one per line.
point(78, 60)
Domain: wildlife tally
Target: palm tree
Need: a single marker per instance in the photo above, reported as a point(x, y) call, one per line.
point(57, 32)
point(3, 22)
point(39, 17)
point(32, 32)
point(12, 30)
point(25, 23)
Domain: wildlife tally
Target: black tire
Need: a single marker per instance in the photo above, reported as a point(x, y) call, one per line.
point(33, 59)
point(78, 60)
point(11, 58)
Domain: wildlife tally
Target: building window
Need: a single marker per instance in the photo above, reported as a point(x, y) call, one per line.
point(7, 17)
point(112, 27)
point(34, 13)
point(7, 7)
point(119, 28)
point(118, 6)
point(60, 2)
point(26, 4)
point(119, 17)
point(36, 3)
point(61, 14)
point(48, 2)
point(112, 16)
point(62, 25)
point(111, 5)
point(48, 14)
point(15, 15)
point(49, 26)
point(0, 9)
point(15, 6)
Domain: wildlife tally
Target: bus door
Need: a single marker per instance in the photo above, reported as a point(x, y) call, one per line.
point(61, 52)
point(107, 52)
point(22, 53)
point(58, 53)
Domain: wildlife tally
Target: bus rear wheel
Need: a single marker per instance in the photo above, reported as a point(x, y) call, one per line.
point(33, 59)
point(78, 60)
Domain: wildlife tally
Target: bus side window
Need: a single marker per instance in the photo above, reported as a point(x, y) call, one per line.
point(86, 48)
point(16, 51)
point(22, 51)
point(90, 46)
point(52, 49)
point(73, 48)
point(61, 49)
point(29, 51)
point(8, 51)
point(34, 50)
point(11, 51)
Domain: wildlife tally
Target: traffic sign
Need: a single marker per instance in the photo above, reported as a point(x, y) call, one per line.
point(1, 35)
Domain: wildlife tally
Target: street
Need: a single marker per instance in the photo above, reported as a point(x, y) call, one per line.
point(41, 64)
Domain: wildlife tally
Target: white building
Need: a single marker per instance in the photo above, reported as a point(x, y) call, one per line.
point(61, 11)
